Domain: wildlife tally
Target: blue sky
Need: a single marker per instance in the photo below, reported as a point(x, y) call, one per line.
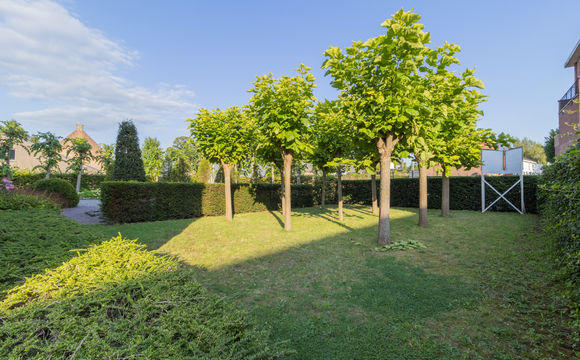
point(156, 62)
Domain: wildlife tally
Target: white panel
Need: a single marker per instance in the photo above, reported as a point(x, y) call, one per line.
point(493, 161)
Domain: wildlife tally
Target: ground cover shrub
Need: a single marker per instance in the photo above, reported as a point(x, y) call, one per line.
point(137, 201)
point(560, 208)
point(118, 300)
point(16, 201)
point(90, 194)
point(58, 186)
point(35, 239)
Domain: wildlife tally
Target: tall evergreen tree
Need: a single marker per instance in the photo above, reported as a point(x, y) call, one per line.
point(128, 161)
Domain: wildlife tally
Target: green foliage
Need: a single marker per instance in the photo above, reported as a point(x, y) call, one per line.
point(203, 174)
point(15, 201)
point(47, 148)
point(401, 246)
point(465, 192)
point(90, 194)
point(560, 208)
point(59, 186)
point(35, 239)
point(11, 134)
point(80, 148)
point(117, 300)
point(549, 145)
point(152, 158)
point(128, 161)
point(282, 108)
point(532, 150)
point(88, 181)
point(107, 264)
point(181, 160)
point(134, 202)
point(331, 135)
point(222, 136)
point(107, 159)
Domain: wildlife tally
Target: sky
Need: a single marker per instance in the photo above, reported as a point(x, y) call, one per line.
point(98, 63)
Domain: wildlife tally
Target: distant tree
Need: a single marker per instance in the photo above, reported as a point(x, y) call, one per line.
point(128, 160)
point(47, 148)
point(181, 160)
point(152, 158)
point(224, 137)
point(11, 134)
point(532, 150)
point(81, 154)
point(282, 109)
point(107, 159)
point(203, 173)
point(549, 145)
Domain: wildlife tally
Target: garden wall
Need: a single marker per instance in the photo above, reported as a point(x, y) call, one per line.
point(140, 201)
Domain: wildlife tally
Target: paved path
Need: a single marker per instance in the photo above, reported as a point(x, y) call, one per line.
point(87, 212)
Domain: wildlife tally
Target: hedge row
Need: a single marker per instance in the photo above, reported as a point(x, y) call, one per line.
point(139, 201)
point(88, 181)
point(465, 192)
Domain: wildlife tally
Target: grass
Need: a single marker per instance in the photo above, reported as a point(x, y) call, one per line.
point(482, 287)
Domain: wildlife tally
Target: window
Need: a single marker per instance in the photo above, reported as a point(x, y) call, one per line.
point(12, 155)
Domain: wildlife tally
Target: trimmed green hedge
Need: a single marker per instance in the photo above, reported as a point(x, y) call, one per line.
point(465, 192)
point(140, 201)
point(60, 187)
point(88, 181)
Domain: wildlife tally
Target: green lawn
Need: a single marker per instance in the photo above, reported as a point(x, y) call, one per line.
point(481, 289)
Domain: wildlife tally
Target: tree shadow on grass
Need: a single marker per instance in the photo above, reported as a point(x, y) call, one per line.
point(333, 299)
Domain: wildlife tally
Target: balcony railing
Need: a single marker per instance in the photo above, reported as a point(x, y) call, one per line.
point(572, 93)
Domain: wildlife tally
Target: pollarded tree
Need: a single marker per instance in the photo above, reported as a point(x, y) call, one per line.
point(128, 161)
point(152, 158)
point(282, 108)
point(224, 137)
point(332, 141)
point(268, 154)
point(11, 134)
point(81, 154)
point(376, 79)
point(47, 148)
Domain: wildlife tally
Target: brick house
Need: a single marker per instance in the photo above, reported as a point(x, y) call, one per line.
point(569, 106)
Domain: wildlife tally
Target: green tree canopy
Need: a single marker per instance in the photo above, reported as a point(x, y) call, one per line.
point(79, 153)
point(532, 150)
point(282, 109)
point(47, 148)
point(107, 159)
point(152, 158)
point(549, 145)
point(128, 160)
point(11, 134)
point(377, 80)
point(223, 137)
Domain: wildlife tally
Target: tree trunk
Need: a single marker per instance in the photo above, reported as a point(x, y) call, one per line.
point(385, 147)
point(287, 156)
point(282, 190)
point(339, 192)
point(445, 195)
point(273, 174)
point(422, 194)
point(79, 181)
point(228, 188)
point(374, 191)
point(47, 173)
point(298, 173)
point(323, 200)
point(8, 172)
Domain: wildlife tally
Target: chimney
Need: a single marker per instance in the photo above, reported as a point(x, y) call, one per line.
point(80, 127)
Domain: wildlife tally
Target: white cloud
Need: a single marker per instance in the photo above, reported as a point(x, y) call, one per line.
point(47, 54)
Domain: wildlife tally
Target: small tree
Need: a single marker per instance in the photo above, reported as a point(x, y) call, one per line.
point(11, 134)
point(152, 158)
point(107, 159)
point(47, 147)
point(376, 79)
point(81, 154)
point(224, 137)
point(549, 145)
point(128, 161)
point(182, 159)
point(282, 108)
point(270, 155)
